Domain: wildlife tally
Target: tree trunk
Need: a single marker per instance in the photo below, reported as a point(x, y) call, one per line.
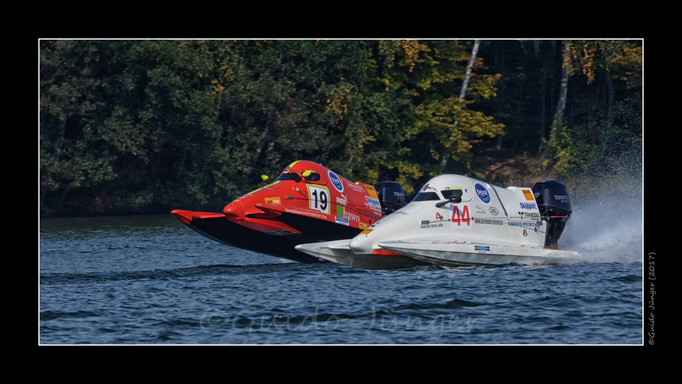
point(610, 91)
point(500, 63)
point(462, 93)
point(561, 105)
point(467, 74)
point(62, 134)
point(259, 149)
point(541, 132)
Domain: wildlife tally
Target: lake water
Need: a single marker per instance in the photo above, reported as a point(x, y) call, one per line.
point(151, 280)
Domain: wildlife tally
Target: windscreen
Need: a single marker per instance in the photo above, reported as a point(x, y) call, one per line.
point(447, 193)
point(424, 196)
point(289, 176)
point(313, 177)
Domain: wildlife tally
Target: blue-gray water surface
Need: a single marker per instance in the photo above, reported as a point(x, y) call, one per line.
point(151, 280)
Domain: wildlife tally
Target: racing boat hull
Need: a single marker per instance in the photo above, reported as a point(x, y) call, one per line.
point(217, 227)
point(339, 252)
point(446, 253)
point(458, 221)
point(308, 203)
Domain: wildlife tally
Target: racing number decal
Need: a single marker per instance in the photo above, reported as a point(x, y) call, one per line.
point(319, 198)
point(460, 217)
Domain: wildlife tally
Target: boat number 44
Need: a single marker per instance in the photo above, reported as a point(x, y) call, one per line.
point(460, 217)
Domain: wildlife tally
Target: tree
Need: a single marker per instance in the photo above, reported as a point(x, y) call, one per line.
point(561, 104)
point(73, 94)
point(426, 76)
point(462, 93)
point(603, 131)
point(133, 126)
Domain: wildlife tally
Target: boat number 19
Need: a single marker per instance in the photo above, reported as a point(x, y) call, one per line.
point(319, 198)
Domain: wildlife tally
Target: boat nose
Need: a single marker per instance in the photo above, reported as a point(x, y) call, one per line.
point(185, 217)
point(234, 211)
point(361, 245)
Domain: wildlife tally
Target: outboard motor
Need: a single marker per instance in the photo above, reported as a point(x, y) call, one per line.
point(555, 208)
point(391, 196)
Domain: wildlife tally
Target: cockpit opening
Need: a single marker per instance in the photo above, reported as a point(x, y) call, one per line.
point(308, 176)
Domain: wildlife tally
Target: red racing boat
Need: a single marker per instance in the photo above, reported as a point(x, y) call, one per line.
point(307, 203)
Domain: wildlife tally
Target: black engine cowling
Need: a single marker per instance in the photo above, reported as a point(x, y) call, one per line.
point(391, 195)
point(555, 208)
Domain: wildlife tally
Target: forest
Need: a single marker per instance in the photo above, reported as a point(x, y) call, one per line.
point(146, 126)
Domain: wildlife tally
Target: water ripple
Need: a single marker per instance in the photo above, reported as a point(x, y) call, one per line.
point(104, 283)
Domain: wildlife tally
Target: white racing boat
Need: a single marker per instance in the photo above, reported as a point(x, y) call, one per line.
point(458, 221)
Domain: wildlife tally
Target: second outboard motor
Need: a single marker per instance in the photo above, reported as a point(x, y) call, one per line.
point(391, 196)
point(555, 208)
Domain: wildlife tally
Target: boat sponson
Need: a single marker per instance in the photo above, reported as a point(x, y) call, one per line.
point(318, 230)
point(445, 253)
point(217, 227)
point(338, 251)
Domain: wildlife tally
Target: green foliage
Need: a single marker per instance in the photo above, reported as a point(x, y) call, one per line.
point(422, 80)
point(603, 132)
point(563, 151)
point(137, 126)
point(607, 146)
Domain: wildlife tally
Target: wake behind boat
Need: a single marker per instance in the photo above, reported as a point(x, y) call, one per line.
point(458, 221)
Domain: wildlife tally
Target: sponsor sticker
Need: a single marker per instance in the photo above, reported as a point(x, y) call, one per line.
point(355, 187)
point(350, 215)
point(521, 224)
point(482, 193)
point(372, 192)
point(341, 220)
point(528, 194)
point(319, 198)
point(273, 200)
point(488, 221)
point(342, 212)
point(530, 206)
point(373, 202)
point(305, 213)
point(481, 248)
point(336, 181)
point(431, 225)
point(371, 216)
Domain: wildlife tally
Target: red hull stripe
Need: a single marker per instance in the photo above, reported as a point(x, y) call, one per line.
point(385, 252)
